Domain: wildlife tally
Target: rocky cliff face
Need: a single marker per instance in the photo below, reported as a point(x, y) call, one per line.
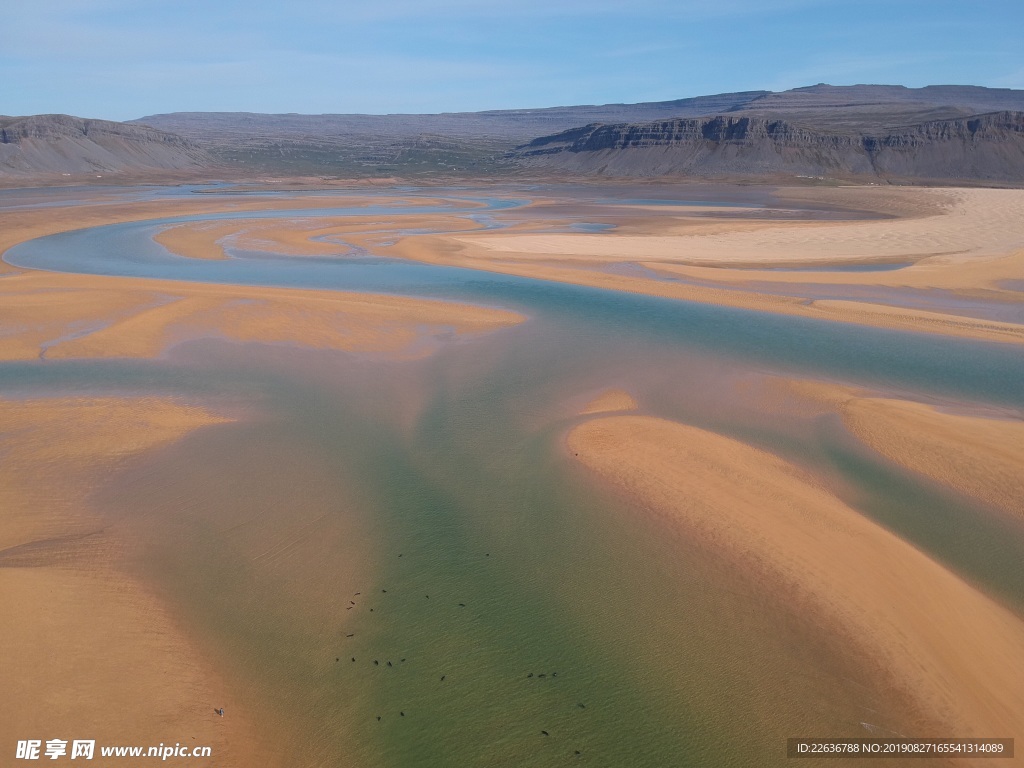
point(983, 147)
point(61, 145)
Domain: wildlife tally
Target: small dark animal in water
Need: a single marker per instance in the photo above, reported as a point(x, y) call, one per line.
point(443, 677)
point(402, 714)
point(542, 675)
point(352, 635)
point(384, 591)
point(337, 658)
point(378, 718)
point(582, 706)
point(545, 733)
point(530, 675)
point(353, 658)
point(462, 605)
point(389, 663)
point(375, 662)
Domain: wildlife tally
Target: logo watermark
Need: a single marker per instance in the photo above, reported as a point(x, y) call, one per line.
point(86, 749)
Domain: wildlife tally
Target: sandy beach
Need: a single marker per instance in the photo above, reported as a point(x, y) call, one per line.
point(953, 648)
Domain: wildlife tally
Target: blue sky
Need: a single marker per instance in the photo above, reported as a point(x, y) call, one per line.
point(119, 59)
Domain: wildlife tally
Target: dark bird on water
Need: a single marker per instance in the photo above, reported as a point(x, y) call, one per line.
point(375, 662)
point(337, 658)
point(389, 663)
point(443, 676)
point(402, 714)
point(352, 635)
point(582, 706)
point(545, 733)
point(530, 675)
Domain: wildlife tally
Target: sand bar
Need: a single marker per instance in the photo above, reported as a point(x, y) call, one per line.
point(955, 650)
point(977, 454)
point(965, 241)
point(315, 236)
point(17, 226)
point(61, 316)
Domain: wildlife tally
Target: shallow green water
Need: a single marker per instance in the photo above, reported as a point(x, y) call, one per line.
point(444, 477)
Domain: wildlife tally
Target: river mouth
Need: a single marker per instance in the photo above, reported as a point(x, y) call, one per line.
point(503, 607)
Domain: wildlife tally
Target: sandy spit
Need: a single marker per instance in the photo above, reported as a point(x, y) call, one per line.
point(955, 650)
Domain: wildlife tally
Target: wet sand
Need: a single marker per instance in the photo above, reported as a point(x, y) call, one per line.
point(951, 647)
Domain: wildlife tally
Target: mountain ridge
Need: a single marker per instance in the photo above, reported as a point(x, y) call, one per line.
point(856, 132)
point(40, 145)
point(987, 147)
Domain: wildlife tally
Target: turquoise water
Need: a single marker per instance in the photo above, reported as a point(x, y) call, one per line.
point(446, 476)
